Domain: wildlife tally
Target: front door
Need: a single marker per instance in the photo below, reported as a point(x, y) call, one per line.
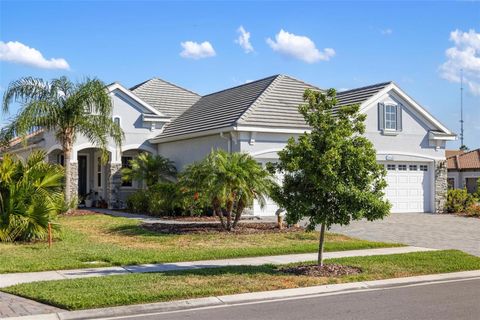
point(82, 176)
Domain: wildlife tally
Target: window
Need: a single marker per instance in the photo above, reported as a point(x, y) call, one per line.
point(402, 167)
point(99, 172)
point(390, 117)
point(413, 167)
point(391, 167)
point(423, 167)
point(117, 120)
point(126, 164)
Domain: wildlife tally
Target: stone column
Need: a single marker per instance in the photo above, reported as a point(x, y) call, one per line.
point(441, 185)
point(114, 182)
point(73, 181)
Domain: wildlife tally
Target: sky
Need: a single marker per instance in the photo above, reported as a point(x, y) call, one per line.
point(210, 46)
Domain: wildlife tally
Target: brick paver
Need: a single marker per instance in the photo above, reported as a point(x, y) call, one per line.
point(440, 231)
point(13, 306)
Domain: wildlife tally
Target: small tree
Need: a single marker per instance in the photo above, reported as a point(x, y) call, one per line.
point(330, 175)
point(152, 169)
point(229, 183)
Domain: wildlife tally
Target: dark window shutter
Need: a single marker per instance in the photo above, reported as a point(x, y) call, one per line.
point(381, 116)
point(399, 117)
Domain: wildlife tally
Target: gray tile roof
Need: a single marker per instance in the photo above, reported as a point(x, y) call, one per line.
point(359, 95)
point(166, 97)
point(268, 102)
point(217, 110)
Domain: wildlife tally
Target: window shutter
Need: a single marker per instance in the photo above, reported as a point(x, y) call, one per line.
point(399, 117)
point(381, 116)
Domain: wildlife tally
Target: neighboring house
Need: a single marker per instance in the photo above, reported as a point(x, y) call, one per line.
point(258, 118)
point(463, 169)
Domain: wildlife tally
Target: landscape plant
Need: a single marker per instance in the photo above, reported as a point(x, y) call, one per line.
point(330, 174)
point(228, 183)
point(458, 200)
point(66, 109)
point(150, 168)
point(30, 197)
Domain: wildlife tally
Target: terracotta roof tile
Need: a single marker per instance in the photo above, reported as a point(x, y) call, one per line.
point(464, 161)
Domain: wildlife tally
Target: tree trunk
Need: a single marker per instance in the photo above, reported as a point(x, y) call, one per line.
point(219, 214)
point(228, 211)
point(238, 214)
point(320, 245)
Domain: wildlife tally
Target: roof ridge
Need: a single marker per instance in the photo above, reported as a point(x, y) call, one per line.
point(259, 97)
point(367, 87)
point(241, 85)
point(165, 81)
point(465, 153)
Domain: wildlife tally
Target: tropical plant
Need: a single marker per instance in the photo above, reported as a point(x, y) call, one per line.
point(30, 197)
point(458, 200)
point(229, 182)
point(150, 168)
point(330, 174)
point(66, 109)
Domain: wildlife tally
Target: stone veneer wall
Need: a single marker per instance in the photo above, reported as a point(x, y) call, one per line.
point(73, 180)
point(114, 183)
point(441, 185)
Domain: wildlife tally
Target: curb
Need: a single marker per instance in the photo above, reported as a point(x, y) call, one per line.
point(235, 299)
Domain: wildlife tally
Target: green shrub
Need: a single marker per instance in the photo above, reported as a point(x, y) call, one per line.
point(30, 197)
point(138, 202)
point(164, 199)
point(458, 200)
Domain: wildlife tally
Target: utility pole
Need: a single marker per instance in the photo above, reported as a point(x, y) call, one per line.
point(462, 146)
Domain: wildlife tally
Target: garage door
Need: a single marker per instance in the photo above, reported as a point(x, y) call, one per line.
point(409, 186)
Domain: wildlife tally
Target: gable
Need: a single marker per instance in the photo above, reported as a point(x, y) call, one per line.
point(415, 114)
point(165, 97)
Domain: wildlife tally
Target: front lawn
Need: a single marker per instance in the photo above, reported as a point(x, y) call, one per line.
point(100, 240)
point(155, 287)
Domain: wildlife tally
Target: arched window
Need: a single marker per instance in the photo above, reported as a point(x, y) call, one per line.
point(116, 120)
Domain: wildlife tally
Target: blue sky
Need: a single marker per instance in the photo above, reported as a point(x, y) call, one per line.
point(368, 42)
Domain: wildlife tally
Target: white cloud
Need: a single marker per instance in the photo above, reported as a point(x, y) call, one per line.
point(300, 47)
point(465, 54)
point(244, 40)
point(386, 32)
point(195, 50)
point(17, 52)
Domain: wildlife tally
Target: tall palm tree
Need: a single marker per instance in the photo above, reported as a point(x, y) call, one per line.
point(65, 108)
point(152, 169)
point(230, 182)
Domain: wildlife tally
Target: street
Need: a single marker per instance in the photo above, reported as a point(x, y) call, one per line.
point(448, 300)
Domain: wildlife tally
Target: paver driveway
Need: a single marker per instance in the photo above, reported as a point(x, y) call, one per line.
point(440, 231)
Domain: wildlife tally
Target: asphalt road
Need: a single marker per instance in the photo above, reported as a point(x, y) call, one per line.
point(452, 300)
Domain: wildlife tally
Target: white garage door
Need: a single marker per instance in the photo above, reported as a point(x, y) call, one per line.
point(409, 185)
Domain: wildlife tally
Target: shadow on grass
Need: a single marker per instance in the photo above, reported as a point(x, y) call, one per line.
point(231, 270)
point(135, 230)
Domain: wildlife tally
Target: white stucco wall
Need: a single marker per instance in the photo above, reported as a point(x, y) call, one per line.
point(184, 152)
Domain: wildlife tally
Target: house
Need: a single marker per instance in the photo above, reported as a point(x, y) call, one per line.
point(258, 118)
point(463, 169)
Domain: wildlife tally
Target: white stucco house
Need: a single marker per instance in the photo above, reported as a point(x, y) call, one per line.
point(258, 118)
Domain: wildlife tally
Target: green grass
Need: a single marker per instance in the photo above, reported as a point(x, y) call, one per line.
point(155, 287)
point(100, 240)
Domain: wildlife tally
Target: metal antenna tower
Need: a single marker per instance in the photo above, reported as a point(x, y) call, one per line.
point(461, 108)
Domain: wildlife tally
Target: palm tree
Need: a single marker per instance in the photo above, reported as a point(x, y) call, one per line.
point(151, 169)
point(230, 182)
point(65, 108)
point(30, 197)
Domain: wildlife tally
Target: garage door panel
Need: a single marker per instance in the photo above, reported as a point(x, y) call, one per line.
point(408, 190)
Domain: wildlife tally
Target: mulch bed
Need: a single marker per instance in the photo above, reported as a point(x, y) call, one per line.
point(328, 270)
point(193, 228)
point(80, 212)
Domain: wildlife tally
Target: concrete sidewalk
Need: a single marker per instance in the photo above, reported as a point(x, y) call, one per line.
point(155, 310)
point(16, 278)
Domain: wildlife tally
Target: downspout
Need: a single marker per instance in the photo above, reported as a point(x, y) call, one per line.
point(229, 141)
